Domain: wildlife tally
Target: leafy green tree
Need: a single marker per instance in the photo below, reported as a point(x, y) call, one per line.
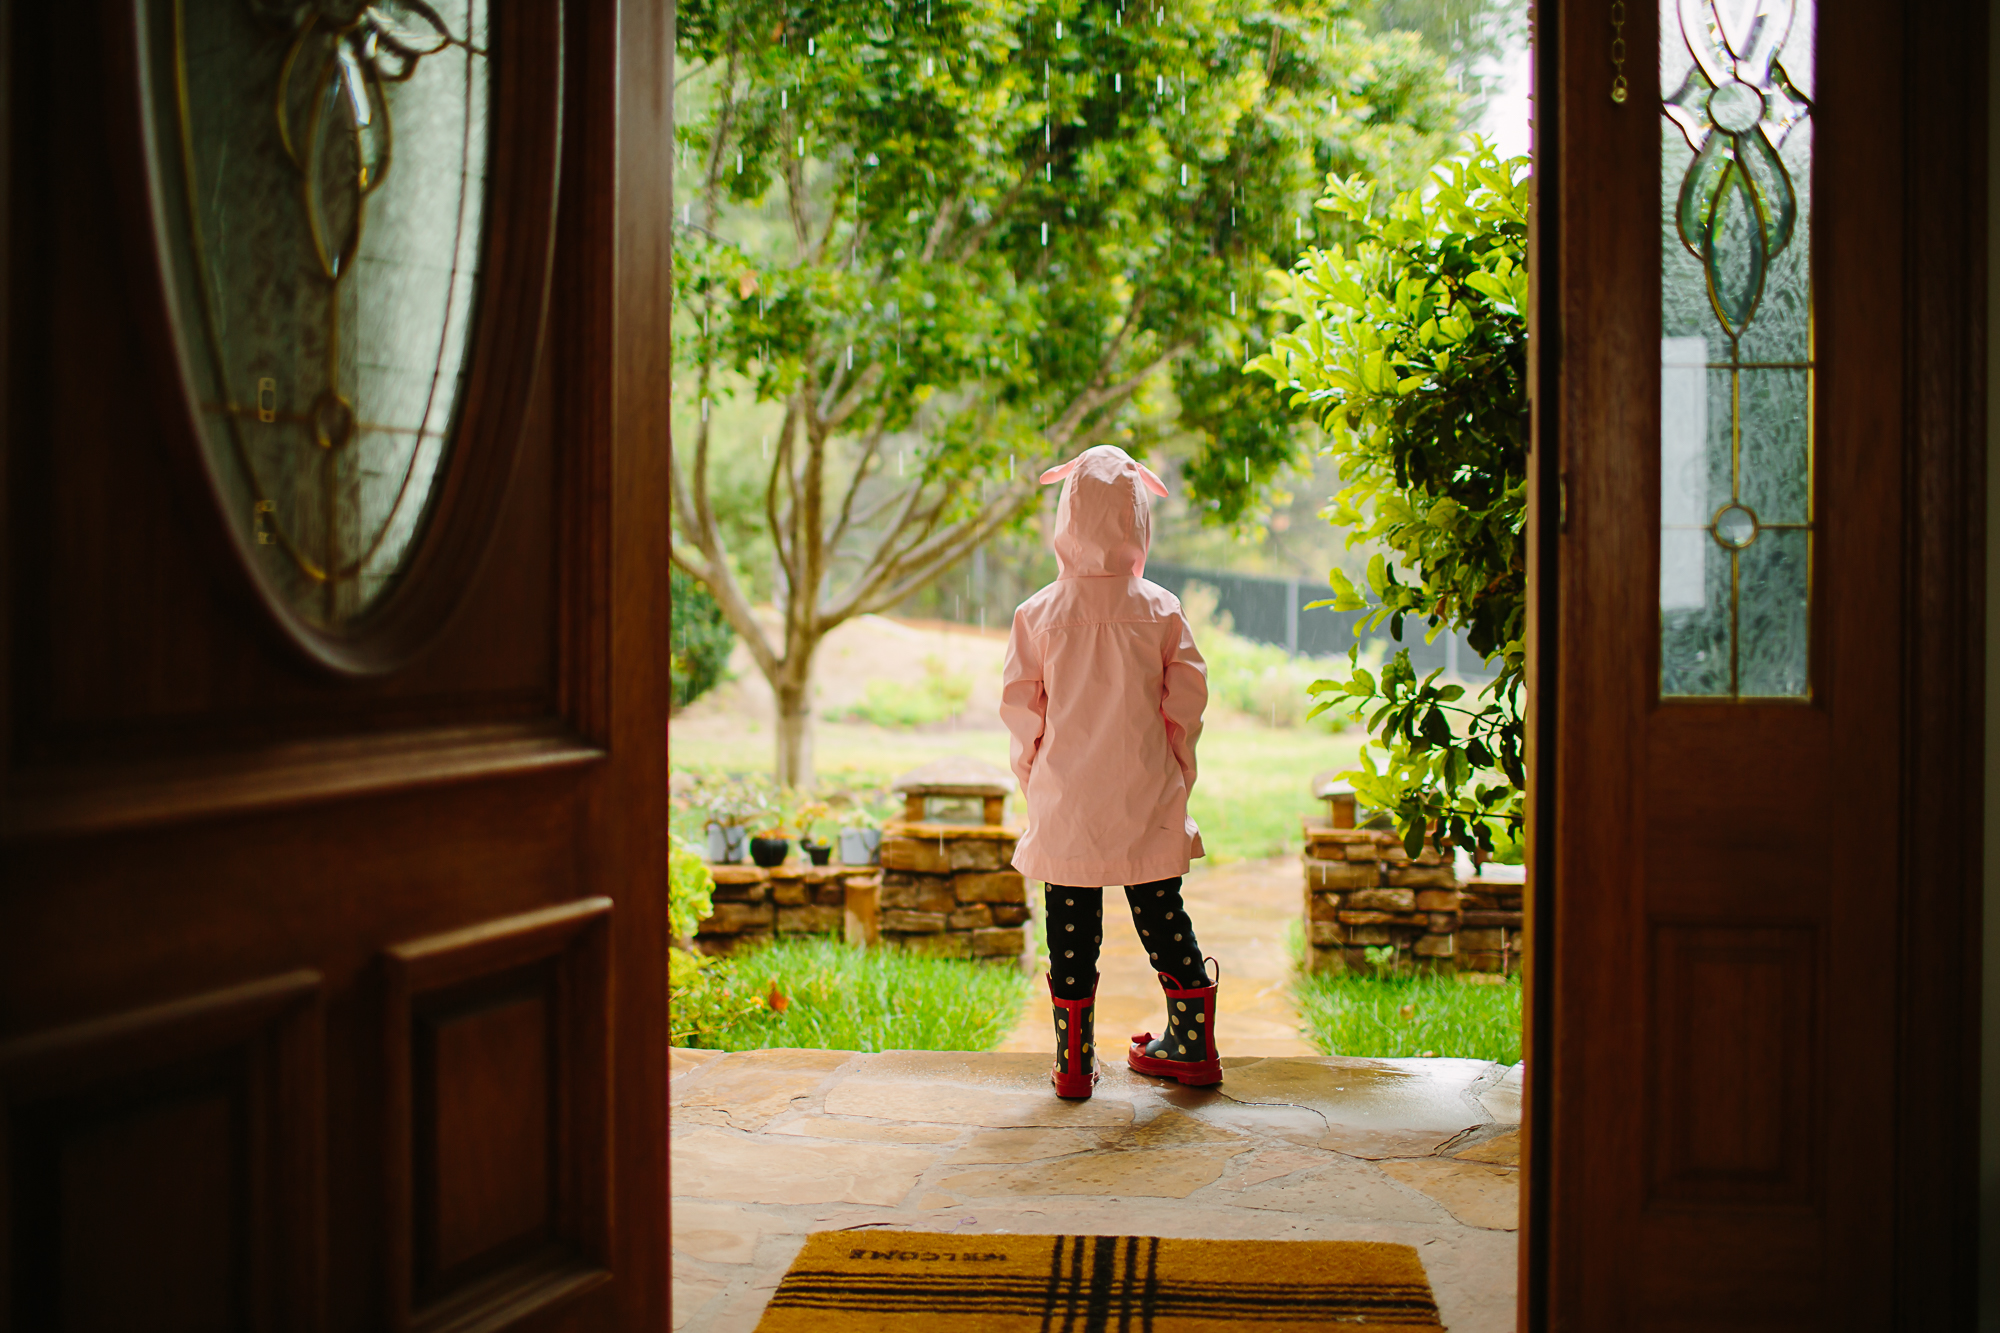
point(702, 641)
point(957, 240)
point(1411, 351)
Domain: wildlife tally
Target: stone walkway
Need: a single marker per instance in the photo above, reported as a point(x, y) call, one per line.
point(1240, 912)
point(767, 1146)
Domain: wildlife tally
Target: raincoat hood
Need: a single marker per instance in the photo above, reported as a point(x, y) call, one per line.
point(1104, 521)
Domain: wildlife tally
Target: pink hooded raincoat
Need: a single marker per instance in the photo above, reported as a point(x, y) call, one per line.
point(1103, 692)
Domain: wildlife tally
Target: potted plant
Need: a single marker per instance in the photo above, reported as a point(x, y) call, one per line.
point(772, 837)
point(861, 837)
point(730, 811)
point(809, 815)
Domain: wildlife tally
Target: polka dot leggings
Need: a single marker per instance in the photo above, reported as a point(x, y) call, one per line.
point(1075, 918)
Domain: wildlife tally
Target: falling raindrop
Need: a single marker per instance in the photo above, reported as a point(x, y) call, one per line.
point(1045, 233)
point(784, 98)
point(1117, 83)
point(1058, 29)
point(1183, 173)
point(1232, 303)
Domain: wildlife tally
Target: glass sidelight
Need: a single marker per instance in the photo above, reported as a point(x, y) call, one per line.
point(1736, 348)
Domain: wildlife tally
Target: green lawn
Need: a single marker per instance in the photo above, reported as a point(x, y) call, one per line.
point(819, 993)
point(1252, 788)
point(1410, 1016)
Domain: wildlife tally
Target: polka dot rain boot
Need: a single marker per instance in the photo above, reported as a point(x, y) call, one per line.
point(1075, 1071)
point(1187, 1052)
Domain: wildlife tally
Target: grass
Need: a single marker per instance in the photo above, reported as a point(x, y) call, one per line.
point(836, 998)
point(1254, 783)
point(1392, 1016)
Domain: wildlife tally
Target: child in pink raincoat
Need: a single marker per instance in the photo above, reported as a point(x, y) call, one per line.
point(1103, 693)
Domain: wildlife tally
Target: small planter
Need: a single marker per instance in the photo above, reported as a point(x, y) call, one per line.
point(769, 852)
point(820, 852)
point(725, 844)
point(860, 846)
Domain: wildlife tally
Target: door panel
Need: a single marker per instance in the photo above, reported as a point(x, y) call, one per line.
point(312, 967)
point(496, 1040)
point(1725, 891)
point(184, 1140)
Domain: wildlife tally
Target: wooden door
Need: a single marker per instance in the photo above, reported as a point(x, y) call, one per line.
point(332, 845)
point(1752, 1097)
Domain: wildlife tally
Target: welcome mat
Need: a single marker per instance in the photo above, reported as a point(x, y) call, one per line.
point(926, 1282)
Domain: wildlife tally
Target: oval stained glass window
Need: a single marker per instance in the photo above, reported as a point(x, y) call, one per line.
point(322, 168)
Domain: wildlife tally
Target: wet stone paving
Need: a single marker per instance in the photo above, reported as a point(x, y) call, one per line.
point(767, 1146)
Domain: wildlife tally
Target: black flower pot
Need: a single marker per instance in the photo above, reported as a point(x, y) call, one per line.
point(769, 852)
point(820, 852)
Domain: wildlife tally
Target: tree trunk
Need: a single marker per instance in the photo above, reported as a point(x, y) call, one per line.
point(795, 737)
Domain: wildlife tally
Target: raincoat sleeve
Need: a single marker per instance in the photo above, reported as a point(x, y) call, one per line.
point(1183, 695)
point(1024, 702)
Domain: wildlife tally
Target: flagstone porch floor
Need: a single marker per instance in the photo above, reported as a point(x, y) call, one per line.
point(767, 1146)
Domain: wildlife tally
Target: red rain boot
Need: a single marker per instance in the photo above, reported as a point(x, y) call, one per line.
point(1075, 1071)
point(1187, 1052)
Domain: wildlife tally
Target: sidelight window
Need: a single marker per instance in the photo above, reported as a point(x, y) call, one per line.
point(1736, 348)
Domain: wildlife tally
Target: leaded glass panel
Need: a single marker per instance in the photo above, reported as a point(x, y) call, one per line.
point(326, 206)
point(1736, 351)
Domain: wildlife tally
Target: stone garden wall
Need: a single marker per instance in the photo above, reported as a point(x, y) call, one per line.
point(1363, 891)
point(752, 903)
point(951, 890)
point(1489, 932)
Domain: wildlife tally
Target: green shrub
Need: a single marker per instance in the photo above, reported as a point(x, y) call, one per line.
point(1411, 352)
point(942, 696)
point(702, 640)
point(705, 1003)
point(1400, 1016)
point(826, 995)
point(689, 887)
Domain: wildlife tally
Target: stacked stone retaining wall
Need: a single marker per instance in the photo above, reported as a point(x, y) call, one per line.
point(753, 903)
point(1489, 933)
point(950, 890)
point(1363, 891)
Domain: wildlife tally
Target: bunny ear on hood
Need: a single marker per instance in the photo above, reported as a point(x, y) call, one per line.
point(1146, 474)
point(1103, 522)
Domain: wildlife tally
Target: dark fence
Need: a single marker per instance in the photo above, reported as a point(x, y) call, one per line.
point(1272, 610)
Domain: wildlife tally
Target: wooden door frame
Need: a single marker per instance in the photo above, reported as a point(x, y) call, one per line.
point(624, 372)
point(1932, 1266)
